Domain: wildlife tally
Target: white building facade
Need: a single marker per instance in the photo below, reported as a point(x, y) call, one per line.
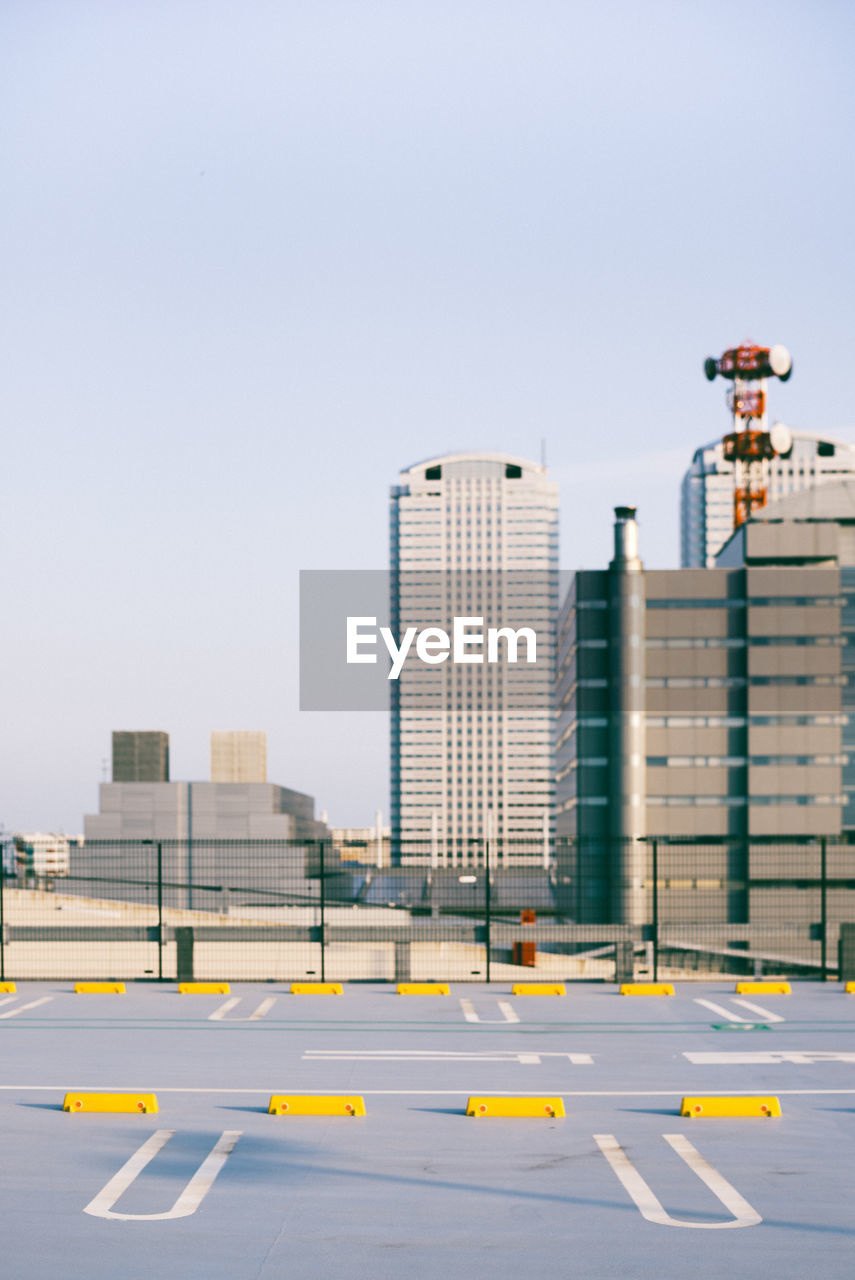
point(475, 536)
point(706, 502)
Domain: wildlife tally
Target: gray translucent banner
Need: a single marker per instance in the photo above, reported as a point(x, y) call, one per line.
point(431, 640)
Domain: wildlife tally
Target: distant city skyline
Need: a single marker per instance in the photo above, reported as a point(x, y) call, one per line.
point(265, 255)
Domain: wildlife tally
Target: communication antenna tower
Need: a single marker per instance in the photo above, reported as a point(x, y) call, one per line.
point(750, 444)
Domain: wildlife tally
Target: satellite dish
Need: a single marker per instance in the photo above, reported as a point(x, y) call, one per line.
point(780, 361)
point(710, 368)
point(781, 438)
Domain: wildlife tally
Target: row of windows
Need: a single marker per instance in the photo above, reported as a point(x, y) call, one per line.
point(740, 602)
point(716, 722)
point(727, 642)
point(732, 762)
point(735, 802)
point(717, 802)
point(701, 682)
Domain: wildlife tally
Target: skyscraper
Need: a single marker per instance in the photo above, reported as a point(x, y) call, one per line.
point(474, 536)
point(706, 502)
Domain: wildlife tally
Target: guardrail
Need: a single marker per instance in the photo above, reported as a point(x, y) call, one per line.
point(258, 910)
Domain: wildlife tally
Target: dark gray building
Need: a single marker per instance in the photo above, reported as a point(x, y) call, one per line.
point(140, 756)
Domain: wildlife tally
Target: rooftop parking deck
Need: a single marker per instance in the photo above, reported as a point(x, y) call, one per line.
point(213, 1187)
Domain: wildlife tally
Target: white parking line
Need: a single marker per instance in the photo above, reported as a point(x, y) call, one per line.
point(469, 1011)
point(648, 1204)
point(524, 1056)
point(34, 1004)
point(263, 1008)
point(755, 1008)
point(509, 1014)
point(192, 1195)
point(8, 1000)
point(219, 1013)
point(769, 1057)
point(222, 1009)
point(721, 1011)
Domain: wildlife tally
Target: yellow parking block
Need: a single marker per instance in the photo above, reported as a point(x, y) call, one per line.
point(423, 989)
point(99, 988)
point(763, 989)
point(146, 1103)
point(849, 988)
point(8, 988)
point(314, 1104)
point(646, 989)
point(540, 1107)
point(538, 989)
point(731, 1106)
point(204, 989)
point(317, 989)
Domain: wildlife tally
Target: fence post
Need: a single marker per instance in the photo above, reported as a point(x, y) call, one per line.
point(823, 906)
point(487, 901)
point(655, 850)
point(323, 908)
point(160, 911)
point(184, 944)
point(189, 846)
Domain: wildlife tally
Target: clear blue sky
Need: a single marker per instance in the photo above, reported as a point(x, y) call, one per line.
point(261, 254)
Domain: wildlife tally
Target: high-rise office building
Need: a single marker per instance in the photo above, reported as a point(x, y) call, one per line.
point(803, 460)
point(474, 536)
point(239, 756)
point(707, 702)
point(140, 756)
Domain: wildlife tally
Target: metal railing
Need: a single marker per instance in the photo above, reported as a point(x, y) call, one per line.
point(575, 909)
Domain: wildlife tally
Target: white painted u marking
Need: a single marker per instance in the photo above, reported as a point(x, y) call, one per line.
point(507, 1011)
point(34, 1004)
point(652, 1209)
point(192, 1195)
point(219, 1014)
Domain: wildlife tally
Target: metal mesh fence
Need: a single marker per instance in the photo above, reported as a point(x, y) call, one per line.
point(270, 910)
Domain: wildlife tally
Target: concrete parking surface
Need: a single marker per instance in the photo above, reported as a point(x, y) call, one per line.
point(212, 1186)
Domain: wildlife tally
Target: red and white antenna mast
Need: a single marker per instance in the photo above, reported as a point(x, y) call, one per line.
point(750, 444)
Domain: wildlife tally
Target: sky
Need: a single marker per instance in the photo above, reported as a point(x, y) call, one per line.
point(261, 255)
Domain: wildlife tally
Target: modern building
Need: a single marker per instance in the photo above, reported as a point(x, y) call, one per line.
point(473, 535)
point(40, 855)
point(707, 494)
point(706, 703)
point(815, 528)
point(217, 844)
point(364, 845)
point(202, 811)
point(239, 756)
point(140, 757)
